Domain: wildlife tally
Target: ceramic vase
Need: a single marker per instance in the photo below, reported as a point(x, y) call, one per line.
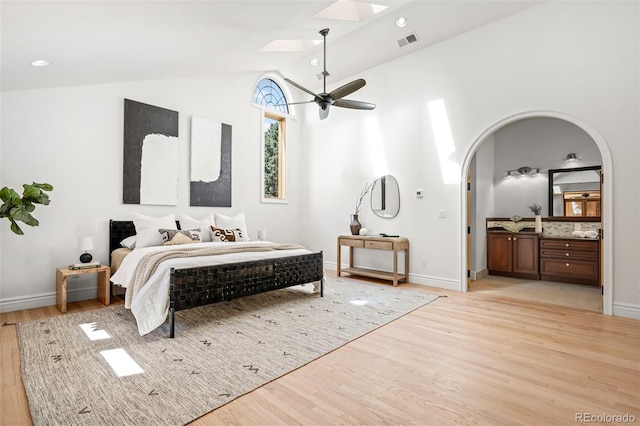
point(355, 225)
point(538, 223)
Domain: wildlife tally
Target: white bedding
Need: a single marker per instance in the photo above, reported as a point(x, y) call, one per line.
point(151, 305)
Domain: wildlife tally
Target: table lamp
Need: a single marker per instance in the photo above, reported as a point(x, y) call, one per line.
point(85, 244)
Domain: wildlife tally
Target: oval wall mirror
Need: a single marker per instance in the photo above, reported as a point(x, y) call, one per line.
point(385, 197)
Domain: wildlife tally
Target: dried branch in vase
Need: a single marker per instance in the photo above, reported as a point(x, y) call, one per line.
point(363, 193)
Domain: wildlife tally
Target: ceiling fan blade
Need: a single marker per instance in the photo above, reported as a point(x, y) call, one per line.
point(346, 103)
point(293, 83)
point(347, 89)
point(324, 112)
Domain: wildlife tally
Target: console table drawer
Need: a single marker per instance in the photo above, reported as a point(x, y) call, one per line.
point(380, 245)
point(566, 255)
point(351, 243)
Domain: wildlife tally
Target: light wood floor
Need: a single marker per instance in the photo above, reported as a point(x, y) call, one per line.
point(573, 295)
point(468, 358)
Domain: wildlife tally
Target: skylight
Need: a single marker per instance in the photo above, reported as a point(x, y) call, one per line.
point(348, 10)
point(289, 45)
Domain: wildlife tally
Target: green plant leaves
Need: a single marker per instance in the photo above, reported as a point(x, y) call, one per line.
point(16, 208)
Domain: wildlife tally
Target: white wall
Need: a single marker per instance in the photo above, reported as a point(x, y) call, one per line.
point(577, 58)
point(72, 138)
point(484, 195)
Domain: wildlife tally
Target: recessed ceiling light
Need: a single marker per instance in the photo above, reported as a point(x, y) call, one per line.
point(314, 62)
point(401, 21)
point(40, 63)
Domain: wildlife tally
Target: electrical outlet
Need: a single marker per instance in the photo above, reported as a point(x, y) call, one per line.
point(424, 262)
point(442, 213)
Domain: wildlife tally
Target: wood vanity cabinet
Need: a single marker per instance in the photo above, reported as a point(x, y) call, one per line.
point(513, 254)
point(570, 260)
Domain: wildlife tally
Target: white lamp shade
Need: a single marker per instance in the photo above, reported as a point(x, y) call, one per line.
point(85, 243)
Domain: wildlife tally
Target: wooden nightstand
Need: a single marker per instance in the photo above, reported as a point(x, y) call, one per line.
point(104, 287)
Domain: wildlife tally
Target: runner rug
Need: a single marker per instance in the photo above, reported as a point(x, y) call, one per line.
point(93, 367)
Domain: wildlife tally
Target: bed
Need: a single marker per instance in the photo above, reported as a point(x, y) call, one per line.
point(226, 279)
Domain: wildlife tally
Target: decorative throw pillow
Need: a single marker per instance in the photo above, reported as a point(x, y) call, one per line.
point(129, 242)
point(232, 222)
point(172, 237)
point(227, 235)
point(147, 228)
point(188, 222)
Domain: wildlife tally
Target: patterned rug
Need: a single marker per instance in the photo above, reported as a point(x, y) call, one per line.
point(93, 367)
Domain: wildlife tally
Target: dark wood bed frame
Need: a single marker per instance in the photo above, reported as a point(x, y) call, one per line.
point(204, 285)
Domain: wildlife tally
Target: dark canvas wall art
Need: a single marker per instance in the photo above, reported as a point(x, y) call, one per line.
point(150, 172)
point(210, 163)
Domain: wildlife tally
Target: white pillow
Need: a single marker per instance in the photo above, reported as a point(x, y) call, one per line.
point(232, 222)
point(129, 242)
point(204, 225)
point(147, 228)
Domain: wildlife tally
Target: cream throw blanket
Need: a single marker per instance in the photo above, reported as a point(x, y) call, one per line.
point(149, 262)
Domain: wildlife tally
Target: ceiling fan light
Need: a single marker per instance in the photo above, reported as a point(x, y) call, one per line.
point(401, 22)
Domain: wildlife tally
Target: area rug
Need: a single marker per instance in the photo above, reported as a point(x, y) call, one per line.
point(220, 352)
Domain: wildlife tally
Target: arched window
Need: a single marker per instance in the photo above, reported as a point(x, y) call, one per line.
point(271, 99)
point(269, 94)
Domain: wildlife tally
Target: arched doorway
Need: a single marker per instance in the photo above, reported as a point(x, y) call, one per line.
point(607, 205)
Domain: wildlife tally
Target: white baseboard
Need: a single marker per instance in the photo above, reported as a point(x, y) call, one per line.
point(439, 282)
point(46, 299)
point(626, 310)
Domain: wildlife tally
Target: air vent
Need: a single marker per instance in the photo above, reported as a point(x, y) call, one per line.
point(411, 38)
point(322, 75)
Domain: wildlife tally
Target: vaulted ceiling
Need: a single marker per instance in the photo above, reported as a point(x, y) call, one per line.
point(95, 42)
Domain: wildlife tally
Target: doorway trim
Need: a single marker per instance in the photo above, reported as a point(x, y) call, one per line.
point(607, 208)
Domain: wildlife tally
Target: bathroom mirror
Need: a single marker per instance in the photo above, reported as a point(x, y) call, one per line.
point(385, 196)
point(574, 192)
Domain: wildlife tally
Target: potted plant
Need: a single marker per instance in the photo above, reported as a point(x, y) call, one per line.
point(536, 209)
point(16, 208)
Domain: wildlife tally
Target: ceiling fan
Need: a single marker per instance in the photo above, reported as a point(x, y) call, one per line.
point(335, 97)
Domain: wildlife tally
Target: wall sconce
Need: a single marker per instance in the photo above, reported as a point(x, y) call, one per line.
point(571, 158)
point(522, 171)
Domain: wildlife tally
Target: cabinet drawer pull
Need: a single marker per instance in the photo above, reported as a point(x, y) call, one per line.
point(567, 265)
point(509, 239)
point(567, 254)
point(566, 245)
point(514, 238)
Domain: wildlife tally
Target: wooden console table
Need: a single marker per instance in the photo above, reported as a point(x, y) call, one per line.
point(394, 244)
